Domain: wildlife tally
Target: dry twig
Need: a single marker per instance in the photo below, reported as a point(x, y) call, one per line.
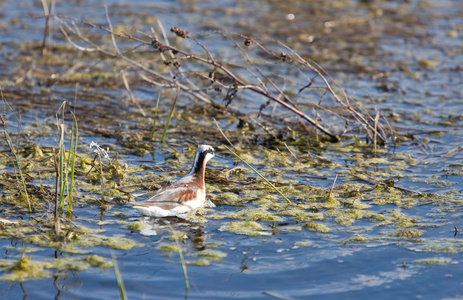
point(195, 72)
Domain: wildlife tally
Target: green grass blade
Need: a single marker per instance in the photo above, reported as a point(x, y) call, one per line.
point(61, 171)
point(155, 117)
point(72, 154)
point(61, 156)
point(168, 118)
point(120, 282)
point(260, 175)
point(249, 166)
point(182, 260)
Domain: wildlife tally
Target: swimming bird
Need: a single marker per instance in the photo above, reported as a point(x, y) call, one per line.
point(183, 195)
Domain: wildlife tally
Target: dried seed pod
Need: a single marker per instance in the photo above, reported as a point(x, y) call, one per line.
point(286, 57)
point(180, 32)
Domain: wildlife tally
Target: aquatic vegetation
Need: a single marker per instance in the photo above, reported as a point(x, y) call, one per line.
point(211, 255)
point(77, 264)
point(251, 228)
point(433, 261)
point(165, 247)
point(24, 269)
point(305, 243)
point(119, 243)
point(16, 159)
point(136, 226)
point(256, 214)
point(313, 226)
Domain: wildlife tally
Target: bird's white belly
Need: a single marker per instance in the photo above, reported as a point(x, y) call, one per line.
point(182, 208)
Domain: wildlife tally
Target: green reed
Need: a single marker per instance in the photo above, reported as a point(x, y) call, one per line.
point(169, 117)
point(71, 162)
point(249, 166)
point(120, 282)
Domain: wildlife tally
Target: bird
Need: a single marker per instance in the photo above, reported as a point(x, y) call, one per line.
point(183, 195)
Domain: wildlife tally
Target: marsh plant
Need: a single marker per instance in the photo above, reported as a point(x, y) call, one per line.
point(183, 61)
point(64, 168)
point(16, 159)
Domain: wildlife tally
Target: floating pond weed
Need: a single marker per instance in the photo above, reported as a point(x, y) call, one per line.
point(199, 262)
point(167, 247)
point(25, 269)
point(78, 264)
point(434, 261)
point(409, 234)
point(136, 226)
point(256, 214)
point(211, 255)
point(318, 227)
point(305, 243)
point(251, 228)
point(120, 243)
point(398, 219)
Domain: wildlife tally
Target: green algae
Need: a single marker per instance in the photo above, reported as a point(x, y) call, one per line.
point(427, 64)
point(443, 245)
point(178, 236)
point(167, 247)
point(205, 257)
point(398, 218)
point(330, 202)
point(255, 214)
point(305, 243)
point(358, 239)
point(231, 197)
point(136, 226)
point(211, 255)
point(347, 217)
point(291, 228)
point(251, 228)
point(120, 243)
point(313, 226)
point(77, 237)
point(434, 261)
point(408, 233)
point(24, 269)
point(347, 204)
point(97, 261)
point(92, 76)
point(276, 158)
point(198, 262)
point(78, 264)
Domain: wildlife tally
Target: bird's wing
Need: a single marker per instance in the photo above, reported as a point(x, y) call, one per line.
point(170, 197)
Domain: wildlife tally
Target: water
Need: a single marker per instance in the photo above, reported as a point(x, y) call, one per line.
point(362, 259)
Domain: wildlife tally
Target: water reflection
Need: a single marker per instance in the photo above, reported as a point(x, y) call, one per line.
point(362, 281)
point(23, 290)
point(162, 226)
point(65, 283)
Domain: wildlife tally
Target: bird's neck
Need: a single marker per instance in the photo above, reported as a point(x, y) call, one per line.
point(199, 166)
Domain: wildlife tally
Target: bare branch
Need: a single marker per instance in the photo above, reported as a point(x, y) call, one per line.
point(195, 72)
